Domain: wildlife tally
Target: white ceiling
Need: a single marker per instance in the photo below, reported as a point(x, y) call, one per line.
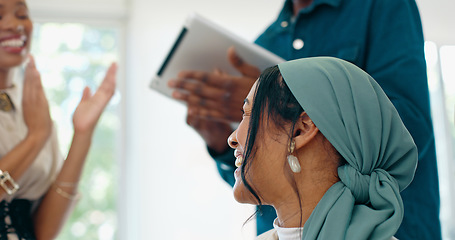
point(438, 16)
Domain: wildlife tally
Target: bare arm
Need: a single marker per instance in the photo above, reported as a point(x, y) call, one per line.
point(39, 124)
point(59, 199)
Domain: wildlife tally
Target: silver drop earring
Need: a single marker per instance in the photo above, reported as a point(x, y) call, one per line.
point(293, 160)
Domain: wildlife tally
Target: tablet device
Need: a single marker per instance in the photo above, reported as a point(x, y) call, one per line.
point(202, 45)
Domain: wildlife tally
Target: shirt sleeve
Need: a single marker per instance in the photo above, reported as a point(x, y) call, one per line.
point(395, 58)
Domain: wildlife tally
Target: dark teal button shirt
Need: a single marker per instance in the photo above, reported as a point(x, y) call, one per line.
point(384, 38)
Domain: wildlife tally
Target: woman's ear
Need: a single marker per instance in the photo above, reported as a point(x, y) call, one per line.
point(304, 131)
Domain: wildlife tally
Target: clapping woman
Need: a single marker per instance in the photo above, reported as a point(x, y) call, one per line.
point(37, 188)
point(322, 144)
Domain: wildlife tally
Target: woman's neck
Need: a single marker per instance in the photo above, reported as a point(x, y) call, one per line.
point(294, 215)
point(299, 5)
point(6, 78)
point(318, 175)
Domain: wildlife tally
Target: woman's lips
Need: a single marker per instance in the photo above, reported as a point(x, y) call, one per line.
point(238, 158)
point(13, 44)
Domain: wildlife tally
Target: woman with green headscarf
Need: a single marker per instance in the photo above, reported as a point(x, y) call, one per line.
point(322, 144)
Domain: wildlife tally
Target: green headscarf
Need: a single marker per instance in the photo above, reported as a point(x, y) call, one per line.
point(354, 114)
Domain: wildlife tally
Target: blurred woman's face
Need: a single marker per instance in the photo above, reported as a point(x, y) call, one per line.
point(266, 171)
point(15, 32)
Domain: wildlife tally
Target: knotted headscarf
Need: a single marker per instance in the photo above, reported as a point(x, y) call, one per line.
point(354, 114)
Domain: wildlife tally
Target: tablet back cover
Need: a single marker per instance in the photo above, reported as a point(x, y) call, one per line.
point(202, 45)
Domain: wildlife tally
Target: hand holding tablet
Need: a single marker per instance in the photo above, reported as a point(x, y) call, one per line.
point(202, 46)
point(211, 70)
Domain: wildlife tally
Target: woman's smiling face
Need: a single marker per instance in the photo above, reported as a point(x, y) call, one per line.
point(15, 33)
point(264, 171)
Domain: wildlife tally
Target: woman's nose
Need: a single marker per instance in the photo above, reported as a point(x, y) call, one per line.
point(9, 22)
point(232, 140)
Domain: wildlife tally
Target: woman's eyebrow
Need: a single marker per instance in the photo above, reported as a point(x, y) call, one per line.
point(21, 3)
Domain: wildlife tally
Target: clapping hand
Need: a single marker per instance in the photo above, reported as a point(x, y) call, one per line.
point(34, 103)
point(91, 106)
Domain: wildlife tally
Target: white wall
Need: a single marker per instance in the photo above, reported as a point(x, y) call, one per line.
point(438, 20)
point(174, 190)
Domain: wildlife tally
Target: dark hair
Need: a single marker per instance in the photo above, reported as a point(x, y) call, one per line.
point(273, 103)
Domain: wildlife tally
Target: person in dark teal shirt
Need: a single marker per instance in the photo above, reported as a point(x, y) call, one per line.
point(384, 38)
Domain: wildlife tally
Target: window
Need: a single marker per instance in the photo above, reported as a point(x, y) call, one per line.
point(441, 80)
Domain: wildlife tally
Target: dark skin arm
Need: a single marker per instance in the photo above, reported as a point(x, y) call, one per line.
point(54, 208)
point(37, 118)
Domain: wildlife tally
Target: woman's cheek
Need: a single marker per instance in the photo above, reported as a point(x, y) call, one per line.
point(242, 130)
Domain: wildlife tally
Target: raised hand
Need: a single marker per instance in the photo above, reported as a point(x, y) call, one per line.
point(34, 103)
point(91, 106)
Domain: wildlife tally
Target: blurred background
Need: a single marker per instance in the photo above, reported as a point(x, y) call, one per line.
point(149, 175)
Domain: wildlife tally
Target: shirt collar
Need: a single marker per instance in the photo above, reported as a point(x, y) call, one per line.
point(333, 3)
point(286, 12)
point(287, 233)
point(13, 94)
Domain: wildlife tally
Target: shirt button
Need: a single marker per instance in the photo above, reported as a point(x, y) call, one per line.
point(284, 24)
point(298, 44)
